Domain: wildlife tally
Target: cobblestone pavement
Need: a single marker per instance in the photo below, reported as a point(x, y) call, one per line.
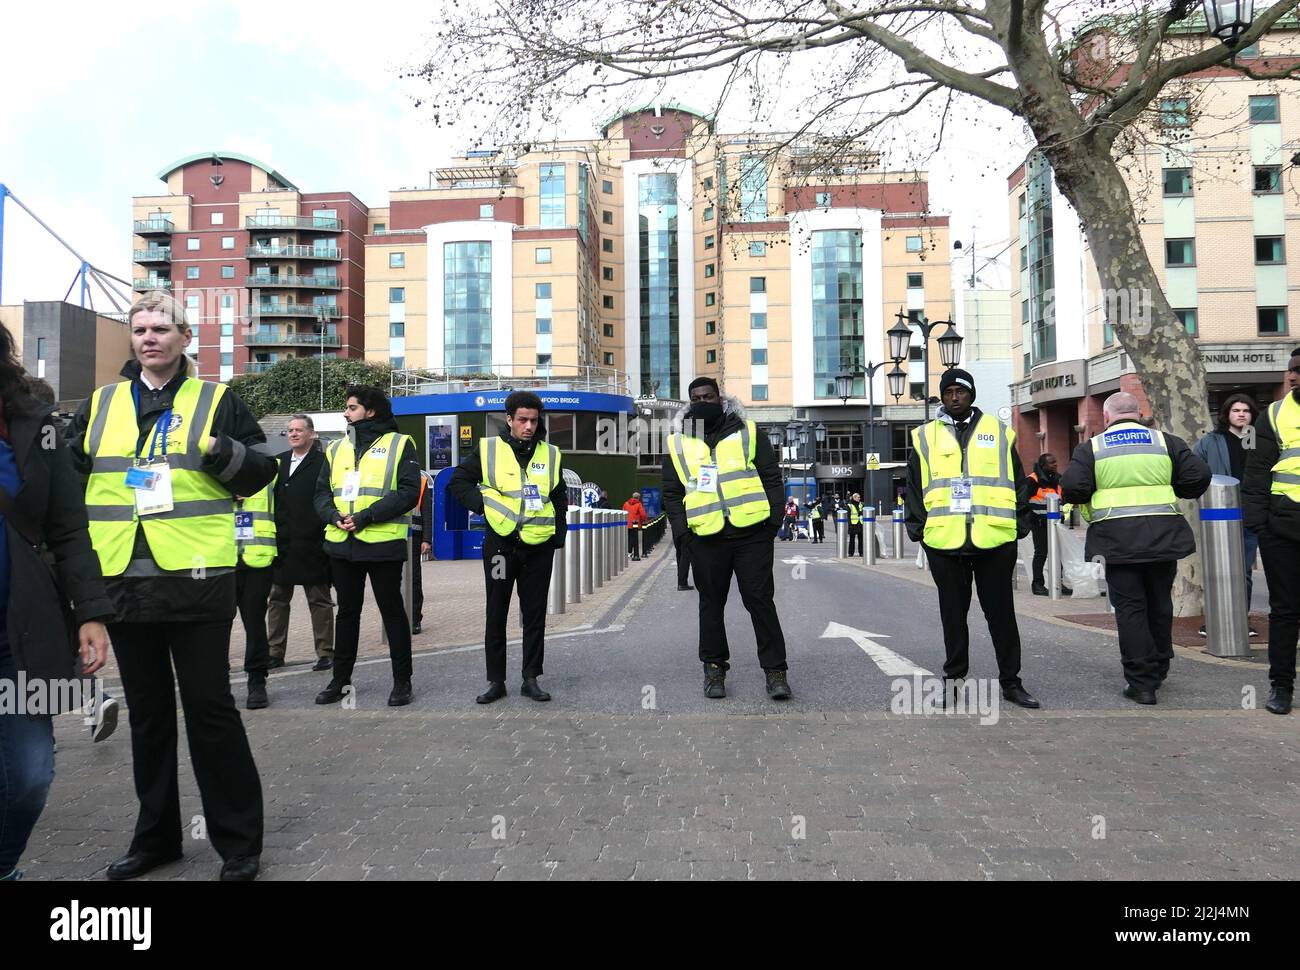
point(631, 774)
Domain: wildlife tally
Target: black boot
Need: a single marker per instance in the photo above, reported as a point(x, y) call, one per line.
point(534, 690)
point(1279, 700)
point(496, 690)
point(401, 694)
point(256, 691)
point(332, 694)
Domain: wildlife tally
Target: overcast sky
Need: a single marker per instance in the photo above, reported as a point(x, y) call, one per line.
point(97, 100)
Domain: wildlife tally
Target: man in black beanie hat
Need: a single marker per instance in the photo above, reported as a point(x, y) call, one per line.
point(968, 503)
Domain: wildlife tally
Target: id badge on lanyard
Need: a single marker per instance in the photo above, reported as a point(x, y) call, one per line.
point(707, 479)
point(243, 526)
point(351, 486)
point(532, 498)
point(961, 495)
point(151, 479)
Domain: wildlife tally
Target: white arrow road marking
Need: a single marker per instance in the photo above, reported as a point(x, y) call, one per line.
point(890, 663)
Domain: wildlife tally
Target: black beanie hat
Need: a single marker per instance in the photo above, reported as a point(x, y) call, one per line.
point(955, 375)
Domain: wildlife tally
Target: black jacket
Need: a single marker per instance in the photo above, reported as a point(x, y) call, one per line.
point(765, 463)
point(239, 467)
point(299, 558)
point(469, 473)
point(914, 514)
point(389, 507)
point(1263, 511)
point(1142, 538)
point(50, 509)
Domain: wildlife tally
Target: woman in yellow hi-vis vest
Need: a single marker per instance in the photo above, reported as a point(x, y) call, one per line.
point(967, 501)
point(165, 454)
point(254, 577)
point(367, 488)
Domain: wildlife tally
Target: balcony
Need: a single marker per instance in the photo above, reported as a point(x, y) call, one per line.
point(277, 337)
point(292, 222)
point(292, 252)
point(283, 281)
point(255, 310)
point(159, 254)
point(157, 226)
point(145, 285)
point(259, 366)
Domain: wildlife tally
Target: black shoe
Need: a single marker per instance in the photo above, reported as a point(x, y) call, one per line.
point(256, 693)
point(1020, 696)
point(1066, 591)
point(274, 663)
point(137, 864)
point(683, 589)
point(778, 688)
point(322, 663)
point(332, 694)
point(1039, 589)
point(715, 681)
point(496, 690)
point(1279, 700)
point(240, 869)
point(534, 690)
point(1141, 696)
point(415, 628)
point(1251, 631)
point(401, 694)
point(1202, 632)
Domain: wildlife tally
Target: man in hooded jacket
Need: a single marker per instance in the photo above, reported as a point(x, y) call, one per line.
point(722, 491)
point(1044, 480)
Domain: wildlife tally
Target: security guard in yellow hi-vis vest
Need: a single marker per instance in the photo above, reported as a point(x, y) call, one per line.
point(255, 538)
point(967, 503)
point(1129, 479)
point(165, 454)
point(1271, 502)
point(366, 489)
point(723, 495)
point(855, 526)
point(514, 481)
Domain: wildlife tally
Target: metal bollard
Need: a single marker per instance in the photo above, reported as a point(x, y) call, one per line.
point(555, 597)
point(620, 541)
point(1053, 546)
point(842, 534)
point(1224, 558)
point(640, 542)
point(586, 551)
point(608, 516)
point(572, 560)
point(899, 533)
point(615, 565)
point(597, 548)
point(869, 534)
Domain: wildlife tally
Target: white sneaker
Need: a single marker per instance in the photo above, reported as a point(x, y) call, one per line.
point(104, 719)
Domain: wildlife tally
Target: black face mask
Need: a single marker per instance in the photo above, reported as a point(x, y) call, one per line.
point(710, 412)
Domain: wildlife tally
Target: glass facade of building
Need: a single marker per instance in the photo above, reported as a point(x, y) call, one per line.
point(552, 196)
point(467, 305)
point(837, 310)
point(657, 224)
point(1037, 277)
point(753, 188)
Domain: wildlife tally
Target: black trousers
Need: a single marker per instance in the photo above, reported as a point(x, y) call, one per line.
point(855, 541)
point(631, 542)
point(1282, 570)
point(223, 762)
point(1040, 547)
point(417, 578)
point(350, 588)
point(1143, 597)
point(819, 530)
point(253, 590)
point(991, 571)
point(506, 565)
point(749, 559)
point(683, 564)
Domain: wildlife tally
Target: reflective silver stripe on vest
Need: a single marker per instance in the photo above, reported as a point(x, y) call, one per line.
point(96, 434)
point(1128, 511)
point(390, 466)
point(182, 510)
point(1286, 478)
point(138, 568)
point(989, 510)
point(491, 447)
point(736, 476)
point(202, 411)
point(703, 510)
point(189, 462)
point(1275, 413)
point(1101, 454)
point(490, 503)
point(1289, 453)
point(257, 541)
point(373, 492)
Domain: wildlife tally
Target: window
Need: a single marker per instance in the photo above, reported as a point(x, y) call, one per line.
point(916, 391)
point(709, 269)
point(708, 182)
point(191, 301)
point(542, 254)
point(1269, 251)
point(396, 329)
point(758, 321)
point(1174, 113)
point(191, 272)
point(1107, 338)
point(915, 281)
point(227, 301)
point(823, 200)
point(708, 242)
point(380, 227)
point(710, 299)
point(486, 210)
point(607, 217)
point(609, 330)
point(1268, 178)
point(218, 218)
point(397, 294)
point(543, 324)
point(607, 273)
point(227, 359)
point(542, 291)
point(1023, 199)
point(914, 244)
point(710, 356)
point(758, 284)
point(543, 361)
point(1180, 252)
point(227, 272)
point(753, 188)
point(1178, 181)
point(397, 260)
point(758, 392)
point(552, 196)
point(1024, 258)
point(758, 249)
point(757, 356)
point(397, 363)
point(1188, 319)
point(609, 360)
point(710, 328)
point(1251, 51)
point(607, 302)
point(227, 242)
point(227, 330)
point(1263, 109)
point(607, 187)
point(916, 353)
point(192, 244)
point(1272, 320)
point(708, 213)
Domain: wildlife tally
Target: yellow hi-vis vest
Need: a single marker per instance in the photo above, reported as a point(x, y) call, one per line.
point(259, 551)
point(1133, 476)
point(855, 514)
point(986, 463)
point(378, 468)
point(503, 484)
point(740, 497)
point(1285, 416)
point(198, 532)
point(815, 513)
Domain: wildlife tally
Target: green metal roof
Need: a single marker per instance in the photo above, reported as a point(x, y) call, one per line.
point(234, 156)
point(662, 105)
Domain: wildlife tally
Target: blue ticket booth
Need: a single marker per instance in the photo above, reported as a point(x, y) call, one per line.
point(457, 532)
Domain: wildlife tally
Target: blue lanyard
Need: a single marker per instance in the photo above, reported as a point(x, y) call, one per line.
point(159, 430)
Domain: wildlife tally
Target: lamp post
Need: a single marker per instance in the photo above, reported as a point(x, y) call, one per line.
point(775, 436)
point(844, 384)
point(1228, 20)
point(900, 338)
